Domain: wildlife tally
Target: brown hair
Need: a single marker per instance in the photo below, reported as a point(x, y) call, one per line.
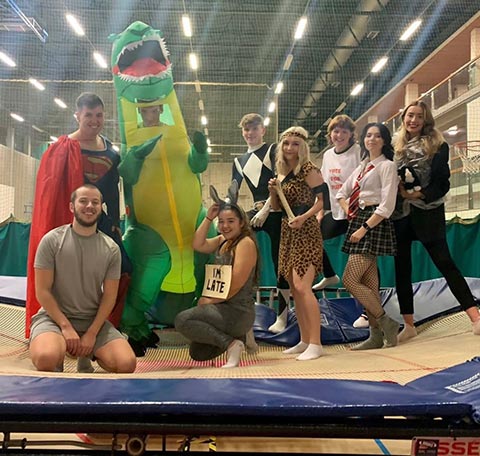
point(73, 196)
point(342, 121)
point(251, 119)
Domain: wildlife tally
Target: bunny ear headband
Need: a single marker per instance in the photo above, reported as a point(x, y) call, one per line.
point(231, 198)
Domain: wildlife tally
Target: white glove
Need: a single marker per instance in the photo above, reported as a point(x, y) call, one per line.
point(259, 218)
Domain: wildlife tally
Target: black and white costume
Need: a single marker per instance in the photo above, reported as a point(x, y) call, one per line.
point(256, 167)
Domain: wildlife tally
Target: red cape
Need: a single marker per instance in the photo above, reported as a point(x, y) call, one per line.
point(59, 174)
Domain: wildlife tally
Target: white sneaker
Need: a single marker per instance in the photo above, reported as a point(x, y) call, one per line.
point(361, 322)
point(325, 282)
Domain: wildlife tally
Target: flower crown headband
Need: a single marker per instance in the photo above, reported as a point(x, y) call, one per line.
point(293, 133)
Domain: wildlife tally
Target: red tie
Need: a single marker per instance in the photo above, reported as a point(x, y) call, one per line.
point(355, 195)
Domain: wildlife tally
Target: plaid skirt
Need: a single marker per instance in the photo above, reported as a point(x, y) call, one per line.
point(379, 241)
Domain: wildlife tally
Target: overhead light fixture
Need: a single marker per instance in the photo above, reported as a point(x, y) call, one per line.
point(198, 87)
point(379, 65)
point(288, 62)
point(209, 150)
point(302, 23)
point(341, 107)
point(452, 131)
point(357, 89)
point(193, 61)
point(205, 131)
point(187, 26)
point(410, 30)
point(101, 62)
point(271, 106)
point(17, 117)
point(204, 120)
point(317, 133)
point(266, 121)
point(36, 84)
point(209, 142)
point(201, 106)
point(115, 148)
point(7, 59)
point(77, 28)
point(60, 102)
point(279, 87)
point(53, 138)
point(38, 129)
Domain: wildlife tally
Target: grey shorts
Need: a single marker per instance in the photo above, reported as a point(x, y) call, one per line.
point(42, 323)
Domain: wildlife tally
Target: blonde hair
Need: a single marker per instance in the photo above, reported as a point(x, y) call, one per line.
point(342, 121)
point(430, 137)
point(303, 153)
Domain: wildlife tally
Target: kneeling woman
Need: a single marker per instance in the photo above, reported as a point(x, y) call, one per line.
point(217, 325)
point(371, 191)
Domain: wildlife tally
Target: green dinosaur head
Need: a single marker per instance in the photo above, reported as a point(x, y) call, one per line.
point(140, 65)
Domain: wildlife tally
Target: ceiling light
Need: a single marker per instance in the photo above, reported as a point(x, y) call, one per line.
point(209, 142)
point(410, 30)
point(115, 148)
point(198, 87)
point(266, 121)
point(53, 138)
point(205, 130)
point(209, 150)
point(279, 88)
point(201, 106)
point(271, 106)
point(60, 103)
point(453, 130)
point(6, 59)
point(38, 129)
point(379, 65)
point(204, 120)
point(302, 23)
point(341, 107)
point(17, 117)
point(357, 89)
point(193, 61)
point(36, 84)
point(101, 62)
point(288, 62)
point(187, 26)
point(77, 28)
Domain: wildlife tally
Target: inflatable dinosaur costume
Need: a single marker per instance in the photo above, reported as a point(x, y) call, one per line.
point(162, 188)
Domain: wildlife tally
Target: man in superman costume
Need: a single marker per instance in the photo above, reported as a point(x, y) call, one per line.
point(84, 156)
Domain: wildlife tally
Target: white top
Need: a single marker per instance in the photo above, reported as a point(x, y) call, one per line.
point(378, 187)
point(336, 169)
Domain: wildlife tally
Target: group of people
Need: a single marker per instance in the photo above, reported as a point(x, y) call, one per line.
point(368, 203)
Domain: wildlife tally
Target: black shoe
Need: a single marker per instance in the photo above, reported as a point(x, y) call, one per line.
point(138, 347)
point(151, 341)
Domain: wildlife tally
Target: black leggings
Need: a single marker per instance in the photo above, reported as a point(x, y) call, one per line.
point(331, 228)
point(272, 228)
point(440, 255)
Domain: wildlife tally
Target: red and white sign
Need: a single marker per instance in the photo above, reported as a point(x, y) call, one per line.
point(445, 446)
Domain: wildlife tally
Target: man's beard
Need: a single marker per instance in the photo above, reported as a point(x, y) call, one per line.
point(81, 222)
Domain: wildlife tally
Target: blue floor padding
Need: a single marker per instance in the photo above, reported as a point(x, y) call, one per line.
point(141, 399)
point(459, 383)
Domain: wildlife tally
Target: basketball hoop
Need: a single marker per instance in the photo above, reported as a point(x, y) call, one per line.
point(469, 153)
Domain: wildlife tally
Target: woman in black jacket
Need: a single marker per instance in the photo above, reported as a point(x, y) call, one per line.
point(422, 148)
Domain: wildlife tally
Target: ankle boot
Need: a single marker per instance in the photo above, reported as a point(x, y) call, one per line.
point(390, 330)
point(375, 340)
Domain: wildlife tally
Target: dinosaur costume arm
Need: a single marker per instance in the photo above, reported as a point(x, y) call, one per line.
point(132, 163)
point(198, 157)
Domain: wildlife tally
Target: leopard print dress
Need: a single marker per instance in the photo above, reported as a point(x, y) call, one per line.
point(299, 248)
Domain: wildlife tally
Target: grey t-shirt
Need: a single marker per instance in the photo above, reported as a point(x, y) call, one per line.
point(80, 264)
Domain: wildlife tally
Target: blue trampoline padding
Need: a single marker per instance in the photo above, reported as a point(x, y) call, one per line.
point(337, 315)
point(459, 383)
point(138, 400)
point(432, 299)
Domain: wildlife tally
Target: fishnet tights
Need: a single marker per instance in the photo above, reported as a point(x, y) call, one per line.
point(361, 280)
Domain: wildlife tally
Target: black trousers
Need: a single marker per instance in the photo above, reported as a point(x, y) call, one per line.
point(272, 226)
point(331, 228)
point(427, 226)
